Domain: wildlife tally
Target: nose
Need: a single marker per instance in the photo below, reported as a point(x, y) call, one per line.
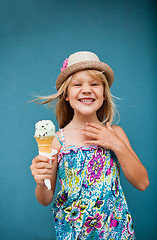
point(86, 89)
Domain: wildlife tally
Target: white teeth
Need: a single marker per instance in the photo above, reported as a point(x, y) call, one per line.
point(86, 100)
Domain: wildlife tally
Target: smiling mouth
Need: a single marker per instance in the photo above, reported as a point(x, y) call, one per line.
point(86, 100)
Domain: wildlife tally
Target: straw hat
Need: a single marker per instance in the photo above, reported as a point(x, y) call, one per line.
point(81, 61)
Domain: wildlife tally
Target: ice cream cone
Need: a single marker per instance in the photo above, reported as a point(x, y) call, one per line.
point(44, 134)
point(45, 144)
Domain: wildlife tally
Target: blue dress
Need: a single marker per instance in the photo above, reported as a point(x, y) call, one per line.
point(91, 203)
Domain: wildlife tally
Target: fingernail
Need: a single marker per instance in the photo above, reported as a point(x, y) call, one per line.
point(86, 123)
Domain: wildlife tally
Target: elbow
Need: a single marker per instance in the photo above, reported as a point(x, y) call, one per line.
point(144, 186)
point(144, 183)
point(45, 204)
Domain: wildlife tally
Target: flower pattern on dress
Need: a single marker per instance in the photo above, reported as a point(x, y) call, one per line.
point(115, 188)
point(108, 172)
point(93, 222)
point(62, 199)
point(75, 211)
point(130, 225)
point(95, 166)
point(91, 203)
point(113, 222)
point(98, 203)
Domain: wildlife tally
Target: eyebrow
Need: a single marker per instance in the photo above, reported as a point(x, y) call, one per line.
point(81, 79)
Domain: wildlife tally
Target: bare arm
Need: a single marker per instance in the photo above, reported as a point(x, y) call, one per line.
point(132, 167)
point(115, 139)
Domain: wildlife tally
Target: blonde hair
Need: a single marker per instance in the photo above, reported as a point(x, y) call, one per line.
point(65, 113)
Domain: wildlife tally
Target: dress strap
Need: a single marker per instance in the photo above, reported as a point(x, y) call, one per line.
point(62, 136)
point(59, 140)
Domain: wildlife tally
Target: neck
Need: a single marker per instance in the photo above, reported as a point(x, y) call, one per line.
point(82, 120)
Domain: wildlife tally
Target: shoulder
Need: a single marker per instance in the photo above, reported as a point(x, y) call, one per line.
point(120, 132)
point(118, 129)
point(55, 143)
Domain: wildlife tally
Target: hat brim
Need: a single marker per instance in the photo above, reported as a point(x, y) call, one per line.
point(100, 66)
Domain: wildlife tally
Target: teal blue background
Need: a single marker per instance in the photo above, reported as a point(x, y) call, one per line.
point(35, 38)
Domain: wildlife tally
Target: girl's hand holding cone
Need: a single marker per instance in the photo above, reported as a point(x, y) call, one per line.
point(41, 169)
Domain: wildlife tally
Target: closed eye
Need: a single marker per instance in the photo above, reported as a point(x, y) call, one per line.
point(76, 84)
point(95, 84)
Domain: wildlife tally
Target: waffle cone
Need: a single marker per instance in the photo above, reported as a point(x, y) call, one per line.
point(44, 144)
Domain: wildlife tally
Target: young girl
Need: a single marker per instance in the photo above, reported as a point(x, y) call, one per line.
point(91, 202)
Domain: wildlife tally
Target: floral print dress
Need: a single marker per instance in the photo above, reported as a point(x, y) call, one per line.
point(91, 203)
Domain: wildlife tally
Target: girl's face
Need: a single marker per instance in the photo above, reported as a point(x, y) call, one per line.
point(85, 94)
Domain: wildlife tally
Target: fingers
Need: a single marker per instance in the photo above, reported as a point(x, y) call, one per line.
point(89, 133)
point(109, 126)
point(98, 134)
point(96, 128)
point(92, 130)
point(41, 169)
point(41, 162)
point(41, 178)
point(41, 158)
point(43, 165)
point(94, 125)
point(92, 142)
point(99, 126)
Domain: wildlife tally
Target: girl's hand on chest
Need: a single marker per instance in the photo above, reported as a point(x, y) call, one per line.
point(102, 135)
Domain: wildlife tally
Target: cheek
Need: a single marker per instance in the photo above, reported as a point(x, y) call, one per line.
point(101, 93)
point(71, 97)
point(102, 96)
